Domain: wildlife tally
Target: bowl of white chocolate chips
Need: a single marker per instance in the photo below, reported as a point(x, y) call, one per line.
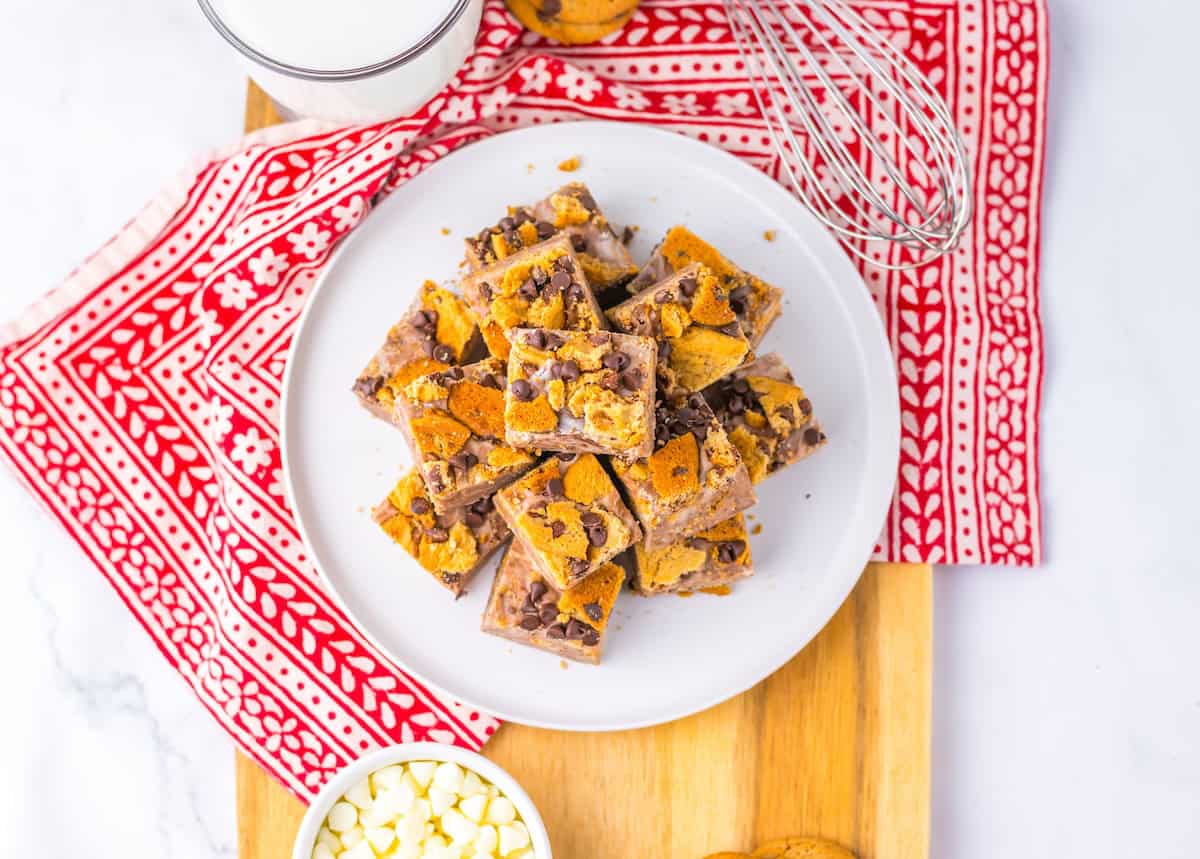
point(422, 801)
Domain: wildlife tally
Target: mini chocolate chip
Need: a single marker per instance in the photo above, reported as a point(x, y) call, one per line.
point(701, 432)
point(615, 361)
point(736, 305)
point(564, 456)
point(812, 435)
point(556, 631)
point(486, 289)
point(597, 535)
point(536, 338)
point(548, 613)
point(593, 610)
point(553, 341)
point(786, 413)
point(564, 264)
point(522, 390)
point(455, 373)
point(368, 386)
point(557, 529)
point(632, 379)
point(511, 238)
point(537, 590)
point(484, 234)
point(687, 414)
point(688, 286)
point(733, 329)
point(663, 297)
point(473, 519)
point(578, 566)
point(696, 401)
point(490, 381)
point(528, 290)
point(544, 230)
point(568, 371)
point(451, 578)
point(524, 217)
point(627, 235)
point(592, 638)
point(554, 487)
point(576, 629)
point(506, 224)
point(530, 623)
point(561, 280)
point(805, 406)
point(538, 275)
point(584, 197)
point(437, 534)
point(729, 552)
point(590, 518)
point(579, 243)
point(443, 353)
point(420, 506)
point(551, 7)
point(574, 292)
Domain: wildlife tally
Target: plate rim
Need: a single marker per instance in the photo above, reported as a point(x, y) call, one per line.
point(826, 252)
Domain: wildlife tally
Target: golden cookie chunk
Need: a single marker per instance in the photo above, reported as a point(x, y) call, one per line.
point(802, 848)
point(564, 32)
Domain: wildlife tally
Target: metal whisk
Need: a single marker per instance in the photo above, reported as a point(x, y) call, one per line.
point(863, 137)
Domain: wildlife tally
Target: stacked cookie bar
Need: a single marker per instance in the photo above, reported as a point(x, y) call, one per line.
point(611, 447)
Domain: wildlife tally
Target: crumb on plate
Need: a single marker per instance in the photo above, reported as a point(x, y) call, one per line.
point(757, 529)
point(769, 235)
point(445, 231)
point(570, 165)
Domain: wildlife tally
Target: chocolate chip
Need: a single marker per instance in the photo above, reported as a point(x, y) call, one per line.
point(530, 623)
point(812, 435)
point(585, 198)
point(592, 638)
point(464, 461)
point(741, 386)
point(597, 535)
point(437, 535)
point(579, 243)
point(615, 361)
point(551, 8)
point(536, 338)
point(486, 289)
point(451, 579)
point(488, 380)
point(524, 217)
point(736, 405)
point(627, 235)
point(420, 506)
point(443, 353)
point(548, 613)
point(528, 290)
point(696, 401)
point(368, 386)
point(506, 224)
point(568, 371)
point(805, 407)
point(599, 338)
point(576, 629)
point(737, 306)
point(632, 379)
point(733, 329)
point(556, 631)
point(609, 381)
point(522, 390)
point(511, 238)
point(473, 519)
point(593, 610)
point(557, 529)
point(729, 552)
point(688, 286)
point(544, 230)
point(483, 506)
point(590, 518)
point(554, 487)
point(484, 235)
point(538, 275)
point(578, 566)
point(564, 264)
point(574, 292)
point(664, 350)
point(564, 456)
point(455, 373)
point(663, 297)
point(537, 590)
point(786, 413)
point(561, 280)
point(679, 471)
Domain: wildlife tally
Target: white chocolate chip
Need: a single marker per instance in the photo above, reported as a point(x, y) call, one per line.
point(423, 808)
point(351, 837)
point(440, 800)
point(391, 803)
point(322, 851)
point(342, 816)
point(360, 794)
point(458, 827)
point(375, 816)
point(406, 851)
point(449, 777)
point(471, 785)
point(381, 837)
point(388, 778)
point(486, 840)
point(473, 807)
point(410, 829)
point(329, 840)
point(361, 850)
point(422, 771)
point(501, 810)
point(513, 836)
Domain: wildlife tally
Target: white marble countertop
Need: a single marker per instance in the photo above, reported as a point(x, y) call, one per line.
point(1067, 699)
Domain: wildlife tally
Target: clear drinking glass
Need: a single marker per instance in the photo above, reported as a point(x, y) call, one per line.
point(352, 61)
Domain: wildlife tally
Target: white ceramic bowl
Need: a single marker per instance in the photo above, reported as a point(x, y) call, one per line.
point(355, 772)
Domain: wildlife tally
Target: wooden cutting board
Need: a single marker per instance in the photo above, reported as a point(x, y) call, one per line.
point(835, 743)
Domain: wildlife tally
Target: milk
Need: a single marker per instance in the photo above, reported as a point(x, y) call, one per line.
point(318, 39)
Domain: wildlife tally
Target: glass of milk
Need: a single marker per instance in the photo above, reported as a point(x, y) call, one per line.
point(349, 61)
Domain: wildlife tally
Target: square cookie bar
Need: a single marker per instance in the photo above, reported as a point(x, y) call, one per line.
point(695, 478)
point(569, 517)
point(527, 608)
point(581, 393)
point(711, 558)
point(454, 421)
point(688, 314)
point(451, 546)
point(756, 303)
point(571, 210)
point(542, 286)
point(437, 331)
point(766, 415)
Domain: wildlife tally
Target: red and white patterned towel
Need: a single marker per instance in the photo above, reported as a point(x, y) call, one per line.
point(140, 401)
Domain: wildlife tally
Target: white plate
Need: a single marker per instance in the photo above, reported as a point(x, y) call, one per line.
point(665, 657)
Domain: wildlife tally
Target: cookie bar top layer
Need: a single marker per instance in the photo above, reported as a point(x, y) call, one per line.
point(569, 516)
point(571, 210)
point(767, 416)
point(689, 315)
point(716, 556)
point(451, 546)
point(525, 607)
point(454, 419)
point(694, 479)
point(756, 302)
point(437, 331)
point(576, 392)
point(540, 287)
